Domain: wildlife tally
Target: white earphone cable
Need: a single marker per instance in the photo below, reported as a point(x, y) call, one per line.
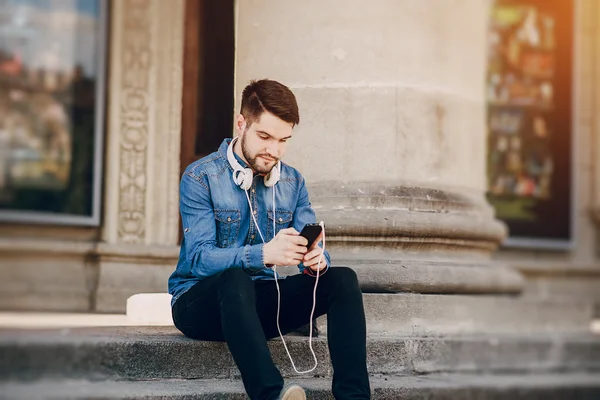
point(279, 292)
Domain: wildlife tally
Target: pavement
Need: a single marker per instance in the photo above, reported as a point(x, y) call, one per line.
point(42, 320)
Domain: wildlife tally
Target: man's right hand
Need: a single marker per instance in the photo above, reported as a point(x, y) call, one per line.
point(286, 248)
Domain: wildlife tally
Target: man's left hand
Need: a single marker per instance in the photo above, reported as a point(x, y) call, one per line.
point(311, 258)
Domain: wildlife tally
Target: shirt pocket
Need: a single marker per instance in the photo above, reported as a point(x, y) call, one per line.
point(283, 219)
point(228, 227)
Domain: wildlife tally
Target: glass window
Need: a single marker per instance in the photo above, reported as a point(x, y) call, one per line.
point(51, 105)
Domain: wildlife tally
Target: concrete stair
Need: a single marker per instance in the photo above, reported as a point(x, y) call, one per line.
point(160, 363)
point(418, 314)
point(437, 386)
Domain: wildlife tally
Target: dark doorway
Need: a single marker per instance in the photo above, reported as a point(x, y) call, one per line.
point(208, 77)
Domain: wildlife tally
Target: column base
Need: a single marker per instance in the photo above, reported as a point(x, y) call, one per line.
point(406, 238)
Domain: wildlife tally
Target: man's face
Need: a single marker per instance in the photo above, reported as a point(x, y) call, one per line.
point(264, 142)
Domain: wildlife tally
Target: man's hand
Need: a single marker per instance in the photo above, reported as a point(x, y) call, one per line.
point(286, 248)
point(311, 258)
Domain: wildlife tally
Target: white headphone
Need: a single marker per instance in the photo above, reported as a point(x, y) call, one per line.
point(243, 176)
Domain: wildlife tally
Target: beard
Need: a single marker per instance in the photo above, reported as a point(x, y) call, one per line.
point(260, 165)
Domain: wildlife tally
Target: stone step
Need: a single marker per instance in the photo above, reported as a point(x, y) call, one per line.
point(410, 314)
point(425, 314)
point(145, 353)
point(436, 386)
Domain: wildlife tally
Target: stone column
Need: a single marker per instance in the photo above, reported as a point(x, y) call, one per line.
point(141, 225)
point(392, 137)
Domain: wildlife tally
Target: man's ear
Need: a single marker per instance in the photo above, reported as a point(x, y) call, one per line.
point(240, 124)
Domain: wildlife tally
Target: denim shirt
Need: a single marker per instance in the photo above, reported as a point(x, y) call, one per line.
point(218, 229)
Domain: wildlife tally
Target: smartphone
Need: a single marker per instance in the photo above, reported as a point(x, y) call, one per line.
point(311, 232)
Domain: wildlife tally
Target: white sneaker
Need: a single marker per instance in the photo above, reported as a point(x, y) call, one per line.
point(292, 392)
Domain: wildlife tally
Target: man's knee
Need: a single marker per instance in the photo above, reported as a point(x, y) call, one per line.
point(234, 275)
point(235, 280)
point(344, 275)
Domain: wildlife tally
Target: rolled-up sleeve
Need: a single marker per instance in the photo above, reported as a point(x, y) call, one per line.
point(200, 232)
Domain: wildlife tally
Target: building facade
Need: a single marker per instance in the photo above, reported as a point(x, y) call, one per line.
point(393, 143)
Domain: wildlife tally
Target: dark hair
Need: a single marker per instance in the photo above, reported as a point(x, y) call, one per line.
point(272, 96)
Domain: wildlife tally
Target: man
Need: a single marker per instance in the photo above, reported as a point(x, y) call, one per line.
point(223, 288)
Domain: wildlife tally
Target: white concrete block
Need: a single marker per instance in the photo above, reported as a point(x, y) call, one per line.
point(595, 326)
point(150, 309)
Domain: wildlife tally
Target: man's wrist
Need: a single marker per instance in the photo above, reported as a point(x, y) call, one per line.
point(313, 272)
point(267, 256)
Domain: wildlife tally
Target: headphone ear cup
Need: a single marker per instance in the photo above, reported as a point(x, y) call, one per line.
point(243, 178)
point(273, 177)
point(248, 178)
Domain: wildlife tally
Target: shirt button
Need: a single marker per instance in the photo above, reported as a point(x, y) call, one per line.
point(228, 219)
point(254, 212)
point(252, 237)
point(280, 219)
point(252, 190)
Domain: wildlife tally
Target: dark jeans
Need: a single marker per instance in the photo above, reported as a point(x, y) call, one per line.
point(231, 307)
